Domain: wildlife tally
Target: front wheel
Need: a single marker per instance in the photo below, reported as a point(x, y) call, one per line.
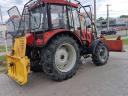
point(61, 58)
point(101, 54)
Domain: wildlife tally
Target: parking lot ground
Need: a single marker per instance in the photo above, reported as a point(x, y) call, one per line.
point(108, 80)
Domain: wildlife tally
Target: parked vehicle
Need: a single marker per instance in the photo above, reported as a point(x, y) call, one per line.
point(110, 32)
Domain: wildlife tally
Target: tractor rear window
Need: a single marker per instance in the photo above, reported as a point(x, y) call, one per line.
point(58, 16)
point(39, 19)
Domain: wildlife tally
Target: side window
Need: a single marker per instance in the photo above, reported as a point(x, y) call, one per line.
point(39, 19)
point(58, 16)
point(70, 16)
point(83, 20)
point(73, 18)
point(35, 18)
point(76, 19)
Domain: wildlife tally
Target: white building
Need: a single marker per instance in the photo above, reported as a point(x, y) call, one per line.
point(3, 30)
point(121, 20)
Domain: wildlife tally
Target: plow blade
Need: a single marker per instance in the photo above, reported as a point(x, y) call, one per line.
point(18, 63)
point(114, 45)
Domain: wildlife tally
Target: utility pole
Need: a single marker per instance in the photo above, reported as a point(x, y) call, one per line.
point(107, 17)
point(4, 33)
point(95, 12)
point(1, 17)
point(126, 28)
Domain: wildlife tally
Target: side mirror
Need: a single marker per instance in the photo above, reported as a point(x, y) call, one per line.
point(15, 17)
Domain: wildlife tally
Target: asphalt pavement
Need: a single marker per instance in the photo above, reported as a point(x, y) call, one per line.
point(108, 80)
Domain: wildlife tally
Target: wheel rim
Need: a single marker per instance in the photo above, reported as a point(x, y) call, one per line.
point(65, 57)
point(103, 54)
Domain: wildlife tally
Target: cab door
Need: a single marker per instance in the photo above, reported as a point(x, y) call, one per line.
point(78, 24)
point(74, 21)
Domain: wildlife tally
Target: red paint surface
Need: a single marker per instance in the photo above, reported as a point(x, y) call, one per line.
point(113, 45)
point(30, 38)
point(86, 36)
point(50, 34)
point(39, 42)
point(62, 2)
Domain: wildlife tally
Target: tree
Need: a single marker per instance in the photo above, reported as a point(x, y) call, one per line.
point(124, 16)
point(100, 19)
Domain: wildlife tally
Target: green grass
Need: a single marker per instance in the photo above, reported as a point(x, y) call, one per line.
point(110, 36)
point(3, 49)
point(2, 58)
point(2, 64)
point(125, 41)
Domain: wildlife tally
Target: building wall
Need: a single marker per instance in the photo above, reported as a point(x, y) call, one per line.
point(121, 20)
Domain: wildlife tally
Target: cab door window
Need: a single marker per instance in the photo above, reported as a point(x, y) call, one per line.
point(74, 21)
point(58, 16)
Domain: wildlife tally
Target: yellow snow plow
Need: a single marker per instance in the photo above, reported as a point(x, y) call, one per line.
point(18, 63)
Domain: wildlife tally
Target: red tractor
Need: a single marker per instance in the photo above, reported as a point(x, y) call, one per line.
point(52, 35)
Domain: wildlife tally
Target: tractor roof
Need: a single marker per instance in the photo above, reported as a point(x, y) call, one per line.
point(60, 2)
point(32, 4)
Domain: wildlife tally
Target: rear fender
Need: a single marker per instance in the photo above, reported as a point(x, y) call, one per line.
point(49, 35)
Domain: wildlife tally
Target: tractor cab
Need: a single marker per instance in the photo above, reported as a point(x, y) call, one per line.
point(41, 16)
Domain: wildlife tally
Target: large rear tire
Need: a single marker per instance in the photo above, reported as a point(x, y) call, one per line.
point(101, 54)
point(61, 58)
point(36, 67)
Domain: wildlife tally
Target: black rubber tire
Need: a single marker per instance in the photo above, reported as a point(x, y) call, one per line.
point(95, 56)
point(36, 68)
point(48, 62)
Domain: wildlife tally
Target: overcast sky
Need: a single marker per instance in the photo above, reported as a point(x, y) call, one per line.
point(117, 8)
